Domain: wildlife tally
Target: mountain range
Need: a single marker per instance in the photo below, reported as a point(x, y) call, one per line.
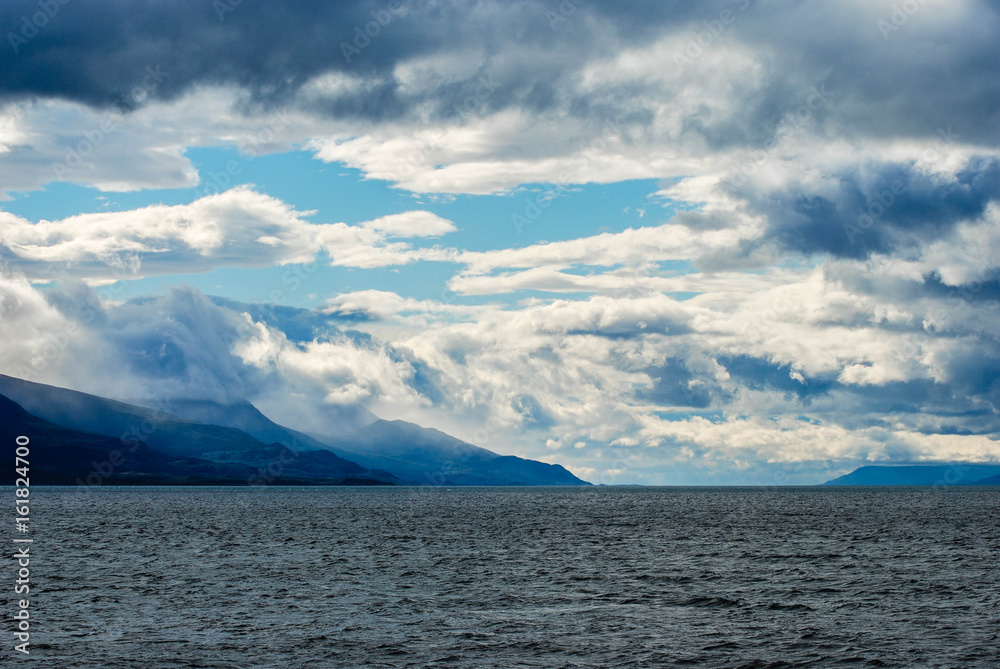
point(75, 435)
point(950, 474)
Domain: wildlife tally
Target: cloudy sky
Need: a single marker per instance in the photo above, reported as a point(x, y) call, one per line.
point(728, 241)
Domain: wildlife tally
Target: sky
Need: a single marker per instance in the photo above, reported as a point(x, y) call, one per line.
point(724, 242)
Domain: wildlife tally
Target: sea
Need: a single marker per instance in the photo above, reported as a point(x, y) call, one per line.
point(226, 577)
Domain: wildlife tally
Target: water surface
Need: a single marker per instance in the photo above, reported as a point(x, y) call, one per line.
point(487, 577)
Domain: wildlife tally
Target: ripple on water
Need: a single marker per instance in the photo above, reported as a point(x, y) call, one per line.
point(425, 577)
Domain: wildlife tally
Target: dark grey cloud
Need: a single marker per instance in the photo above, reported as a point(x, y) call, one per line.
point(180, 344)
point(980, 290)
point(532, 413)
point(975, 372)
point(922, 78)
point(884, 208)
point(761, 374)
point(425, 380)
point(674, 384)
point(931, 407)
point(965, 402)
point(903, 290)
point(299, 325)
point(95, 53)
point(933, 71)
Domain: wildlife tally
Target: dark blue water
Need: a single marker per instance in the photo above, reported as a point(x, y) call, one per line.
point(438, 577)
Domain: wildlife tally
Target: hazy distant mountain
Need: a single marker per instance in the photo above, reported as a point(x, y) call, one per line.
point(243, 416)
point(173, 436)
point(391, 451)
point(429, 456)
point(953, 474)
point(415, 454)
point(58, 455)
point(159, 429)
point(992, 480)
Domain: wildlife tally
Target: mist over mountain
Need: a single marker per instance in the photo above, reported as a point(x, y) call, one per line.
point(246, 417)
point(63, 456)
point(413, 453)
point(426, 455)
point(382, 451)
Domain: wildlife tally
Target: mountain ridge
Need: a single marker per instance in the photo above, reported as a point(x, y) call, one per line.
point(92, 459)
point(172, 436)
point(382, 451)
point(958, 473)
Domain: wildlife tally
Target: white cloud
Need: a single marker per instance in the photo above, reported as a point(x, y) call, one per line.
point(801, 344)
point(39, 340)
point(239, 227)
point(410, 224)
point(597, 378)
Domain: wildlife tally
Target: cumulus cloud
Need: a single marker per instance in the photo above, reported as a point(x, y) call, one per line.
point(406, 65)
point(874, 379)
point(239, 227)
point(772, 377)
point(826, 293)
point(685, 90)
point(176, 345)
point(410, 224)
